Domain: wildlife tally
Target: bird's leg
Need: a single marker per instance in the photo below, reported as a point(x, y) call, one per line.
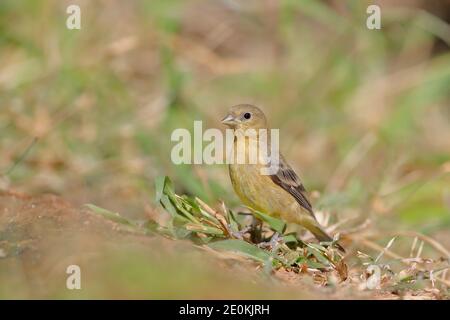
point(275, 240)
point(240, 234)
point(256, 230)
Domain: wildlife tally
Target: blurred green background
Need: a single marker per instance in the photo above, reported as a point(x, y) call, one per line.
point(364, 115)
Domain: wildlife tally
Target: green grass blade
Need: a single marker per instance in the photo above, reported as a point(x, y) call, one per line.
point(243, 248)
point(276, 224)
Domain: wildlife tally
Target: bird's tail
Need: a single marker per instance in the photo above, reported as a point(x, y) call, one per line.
point(320, 234)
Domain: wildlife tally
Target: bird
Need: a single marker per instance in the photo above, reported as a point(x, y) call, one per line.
point(280, 194)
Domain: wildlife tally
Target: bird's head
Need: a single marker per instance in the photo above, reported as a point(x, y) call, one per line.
point(245, 116)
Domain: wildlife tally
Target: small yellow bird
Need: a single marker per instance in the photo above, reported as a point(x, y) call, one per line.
point(281, 194)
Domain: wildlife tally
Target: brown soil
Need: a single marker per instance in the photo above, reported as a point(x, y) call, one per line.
point(40, 236)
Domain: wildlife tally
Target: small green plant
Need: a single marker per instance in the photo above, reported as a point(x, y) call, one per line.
point(257, 236)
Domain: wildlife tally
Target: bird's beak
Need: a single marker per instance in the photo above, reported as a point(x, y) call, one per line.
point(229, 120)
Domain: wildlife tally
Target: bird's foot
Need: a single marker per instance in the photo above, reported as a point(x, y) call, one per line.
point(275, 240)
point(240, 234)
point(273, 243)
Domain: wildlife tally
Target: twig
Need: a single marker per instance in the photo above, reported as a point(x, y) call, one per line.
point(386, 248)
point(413, 246)
point(374, 246)
point(439, 247)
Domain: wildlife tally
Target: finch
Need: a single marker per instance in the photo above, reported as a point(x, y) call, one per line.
point(282, 194)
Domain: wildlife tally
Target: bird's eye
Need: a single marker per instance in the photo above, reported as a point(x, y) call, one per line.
point(247, 115)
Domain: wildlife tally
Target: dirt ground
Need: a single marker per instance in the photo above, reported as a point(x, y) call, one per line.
point(41, 236)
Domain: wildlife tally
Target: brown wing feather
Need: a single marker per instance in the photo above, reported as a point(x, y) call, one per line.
point(287, 179)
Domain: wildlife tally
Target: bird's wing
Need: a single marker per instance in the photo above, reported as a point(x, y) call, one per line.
point(287, 179)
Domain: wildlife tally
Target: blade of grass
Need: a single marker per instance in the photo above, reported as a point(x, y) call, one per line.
point(243, 248)
point(276, 224)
